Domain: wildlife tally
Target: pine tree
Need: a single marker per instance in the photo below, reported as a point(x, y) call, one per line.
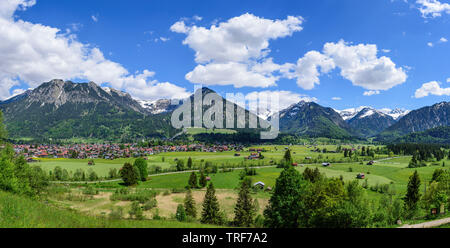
point(202, 180)
point(211, 211)
point(193, 181)
point(412, 195)
point(287, 156)
point(189, 163)
point(181, 214)
point(245, 208)
point(284, 206)
point(189, 205)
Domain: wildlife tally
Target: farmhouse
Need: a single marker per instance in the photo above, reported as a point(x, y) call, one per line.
point(326, 164)
point(259, 184)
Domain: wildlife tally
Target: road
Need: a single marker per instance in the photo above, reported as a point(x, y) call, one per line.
point(428, 224)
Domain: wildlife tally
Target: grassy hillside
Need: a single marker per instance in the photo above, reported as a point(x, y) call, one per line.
point(20, 212)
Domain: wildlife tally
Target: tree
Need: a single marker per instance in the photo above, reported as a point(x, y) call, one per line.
point(3, 132)
point(287, 157)
point(189, 205)
point(211, 211)
point(129, 174)
point(180, 165)
point(92, 175)
point(202, 180)
point(193, 181)
point(438, 175)
point(284, 205)
point(245, 207)
point(181, 214)
point(142, 166)
point(136, 211)
point(412, 195)
point(189, 163)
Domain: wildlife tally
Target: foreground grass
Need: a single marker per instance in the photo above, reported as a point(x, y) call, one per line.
point(20, 212)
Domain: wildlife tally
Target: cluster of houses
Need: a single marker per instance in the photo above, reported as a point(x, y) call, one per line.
point(110, 151)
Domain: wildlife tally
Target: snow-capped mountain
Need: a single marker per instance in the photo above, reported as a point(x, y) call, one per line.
point(396, 113)
point(158, 106)
point(347, 114)
point(369, 122)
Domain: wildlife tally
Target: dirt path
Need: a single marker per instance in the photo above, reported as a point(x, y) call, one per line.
point(428, 224)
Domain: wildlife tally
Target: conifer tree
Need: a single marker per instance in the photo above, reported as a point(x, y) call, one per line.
point(412, 195)
point(181, 214)
point(189, 163)
point(202, 180)
point(193, 181)
point(245, 208)
point(189, 205)
point(211, 210)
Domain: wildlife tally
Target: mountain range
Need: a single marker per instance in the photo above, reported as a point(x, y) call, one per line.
point(65, 110)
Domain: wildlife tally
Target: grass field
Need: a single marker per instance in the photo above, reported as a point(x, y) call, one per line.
point(168, 159)
point(392, 171)
point(20, 212)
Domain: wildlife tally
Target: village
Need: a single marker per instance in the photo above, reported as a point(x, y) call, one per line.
point(110, 151)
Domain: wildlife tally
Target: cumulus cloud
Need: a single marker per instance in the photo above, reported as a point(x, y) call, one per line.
point(239, 45)
point(336, 98)
point(433, 8)
point(357, 63)
point(431, 88)
point(36, 53)
point(307, 69)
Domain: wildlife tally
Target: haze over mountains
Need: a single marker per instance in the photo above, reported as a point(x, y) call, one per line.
point(65, 110)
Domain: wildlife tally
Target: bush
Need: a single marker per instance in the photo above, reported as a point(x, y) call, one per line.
point(140, 196)
point(152, 203)
point(136, 211)
point(116, 213)
point(90, 190)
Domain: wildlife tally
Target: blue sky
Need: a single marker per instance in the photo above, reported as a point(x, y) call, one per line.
point(136, 35)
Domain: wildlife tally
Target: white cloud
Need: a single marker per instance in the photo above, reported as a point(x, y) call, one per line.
point(385, 50)
point(197, 18)
point(230, 73)
point(239, 45)
point(448, 80)
point(357, 63)
point(430, 44)
point(35, 53)
point(307, 71)
point(336, 98)
point(371, 92)
point(431, 88)
point(433, 8)
point(94, 18)
point(443, 40)
point(164, 39)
